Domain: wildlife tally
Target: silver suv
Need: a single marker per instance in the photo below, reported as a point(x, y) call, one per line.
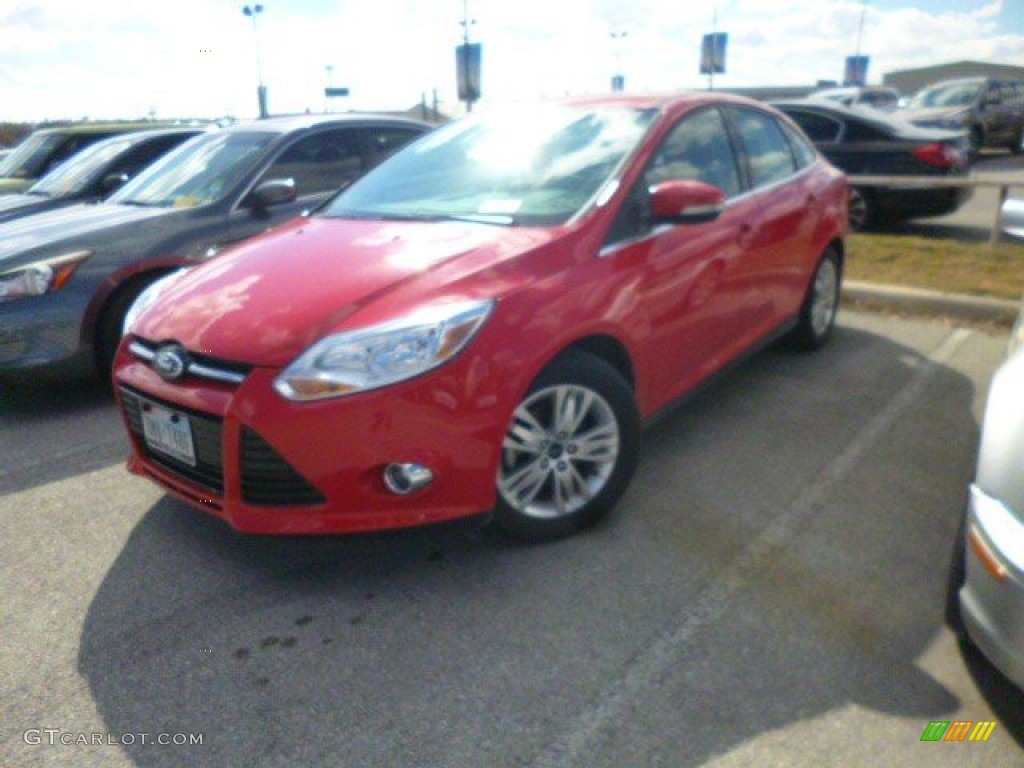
point(991, 111)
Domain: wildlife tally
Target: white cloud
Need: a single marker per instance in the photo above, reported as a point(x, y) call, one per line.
point(108, 58)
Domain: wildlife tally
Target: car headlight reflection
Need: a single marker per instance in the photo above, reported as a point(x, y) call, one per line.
point(370, 358)
point(40, 277)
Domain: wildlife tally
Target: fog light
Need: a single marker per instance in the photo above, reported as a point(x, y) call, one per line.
point(403, 479)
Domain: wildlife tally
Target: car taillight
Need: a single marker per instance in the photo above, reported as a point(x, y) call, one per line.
point(939, 155)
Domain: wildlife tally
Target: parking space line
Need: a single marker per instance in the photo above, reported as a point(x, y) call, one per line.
point(646, 668)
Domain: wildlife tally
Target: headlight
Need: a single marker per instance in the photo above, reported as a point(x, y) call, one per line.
point(44, 276)
point(148, 296)
point(356, 361)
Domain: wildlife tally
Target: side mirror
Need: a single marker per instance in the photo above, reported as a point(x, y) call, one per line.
point(111, 182)
point(270, 193)
point(686, 202)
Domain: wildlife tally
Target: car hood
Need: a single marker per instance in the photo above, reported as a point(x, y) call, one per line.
point(10, 185)
point(930, 114)
point(266, 301)
point(50, 228)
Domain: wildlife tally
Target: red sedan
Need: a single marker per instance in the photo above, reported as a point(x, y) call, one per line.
point(485, 322)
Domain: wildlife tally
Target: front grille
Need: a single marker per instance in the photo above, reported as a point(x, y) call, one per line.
point(206, 437)
point(199, 365)
point(268, 479)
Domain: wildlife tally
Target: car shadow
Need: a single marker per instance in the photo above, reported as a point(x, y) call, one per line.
point(446, 646)
point(56, 429)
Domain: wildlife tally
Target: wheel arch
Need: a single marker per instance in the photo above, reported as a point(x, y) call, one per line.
point(607, 349)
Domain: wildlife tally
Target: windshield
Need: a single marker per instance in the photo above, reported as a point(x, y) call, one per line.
point(80, 170)
point(536, 168)
point(948, 95)
point(199, 172)
point(29, 157)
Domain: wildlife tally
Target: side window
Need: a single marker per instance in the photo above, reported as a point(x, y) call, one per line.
point(767, 149)
point(819, 129)
point(802, 148)
point(138, 158)
point(383, 142)
point(323, 162)
point(697, 148)
point(70, 146)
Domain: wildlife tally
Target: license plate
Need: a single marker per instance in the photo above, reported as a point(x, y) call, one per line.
point(168, 432)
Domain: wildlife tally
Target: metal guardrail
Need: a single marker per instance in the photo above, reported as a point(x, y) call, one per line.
point(945, 181)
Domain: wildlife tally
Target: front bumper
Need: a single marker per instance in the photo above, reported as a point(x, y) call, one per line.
point(270, 466)
point(42, 332)
point(993, 606)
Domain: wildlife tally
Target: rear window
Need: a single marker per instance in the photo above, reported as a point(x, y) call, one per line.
point(768, 152)
point(818, 127)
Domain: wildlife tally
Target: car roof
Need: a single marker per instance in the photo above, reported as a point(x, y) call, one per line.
point(890, 123)
point(289, 123)
point(663, 101)
point(89, 128)
point(137, 137)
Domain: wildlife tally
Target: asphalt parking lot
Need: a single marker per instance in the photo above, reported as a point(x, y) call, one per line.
point(771, 591)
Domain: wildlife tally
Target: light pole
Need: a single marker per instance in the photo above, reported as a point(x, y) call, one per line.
point(253, 11)
point(330, 84)
point(466, 22)
point(618, 79)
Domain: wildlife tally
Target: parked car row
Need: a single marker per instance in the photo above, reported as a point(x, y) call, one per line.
point(989, 111)
point(480, 323)
point(67, 276)
point(47, 148)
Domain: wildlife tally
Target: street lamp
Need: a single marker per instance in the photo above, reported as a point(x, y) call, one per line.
point(252, 11)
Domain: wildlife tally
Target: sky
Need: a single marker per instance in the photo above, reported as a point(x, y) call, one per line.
point(101, 59)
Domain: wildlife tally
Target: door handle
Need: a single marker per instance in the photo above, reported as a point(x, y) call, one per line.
point(746, 235)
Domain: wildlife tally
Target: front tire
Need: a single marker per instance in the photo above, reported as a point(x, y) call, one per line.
point(817, 316)
point(569, 451)
point(111, 324)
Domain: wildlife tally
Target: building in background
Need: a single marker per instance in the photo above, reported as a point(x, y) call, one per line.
point(908, 81)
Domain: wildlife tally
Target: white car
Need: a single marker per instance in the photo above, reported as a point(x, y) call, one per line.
point(1013, 217)
point(992, 595)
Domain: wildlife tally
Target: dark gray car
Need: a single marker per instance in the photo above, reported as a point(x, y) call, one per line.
point(68, 276)
point(991, 111)
point(95, 172)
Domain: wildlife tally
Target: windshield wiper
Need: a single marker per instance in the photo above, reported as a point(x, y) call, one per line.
point(473, 218)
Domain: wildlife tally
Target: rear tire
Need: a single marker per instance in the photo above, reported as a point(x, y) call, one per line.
point(817, 316)
point(863, 209)
point(569, 451)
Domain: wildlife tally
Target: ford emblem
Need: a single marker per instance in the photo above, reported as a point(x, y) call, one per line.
point(171, 361)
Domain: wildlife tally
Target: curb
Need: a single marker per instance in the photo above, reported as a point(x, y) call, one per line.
point(919, 301)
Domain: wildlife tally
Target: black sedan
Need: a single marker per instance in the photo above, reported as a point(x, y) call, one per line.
point(865, 142)
point(95, 172)
point(68, 276)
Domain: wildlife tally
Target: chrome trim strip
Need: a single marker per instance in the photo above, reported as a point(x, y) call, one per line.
point(206, 372)
point(140, 351)
point(196, 369)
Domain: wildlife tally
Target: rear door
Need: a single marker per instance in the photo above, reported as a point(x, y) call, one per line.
point(693, 278)
point(779, 255)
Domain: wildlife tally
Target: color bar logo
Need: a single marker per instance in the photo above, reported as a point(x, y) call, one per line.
point(958, 730)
